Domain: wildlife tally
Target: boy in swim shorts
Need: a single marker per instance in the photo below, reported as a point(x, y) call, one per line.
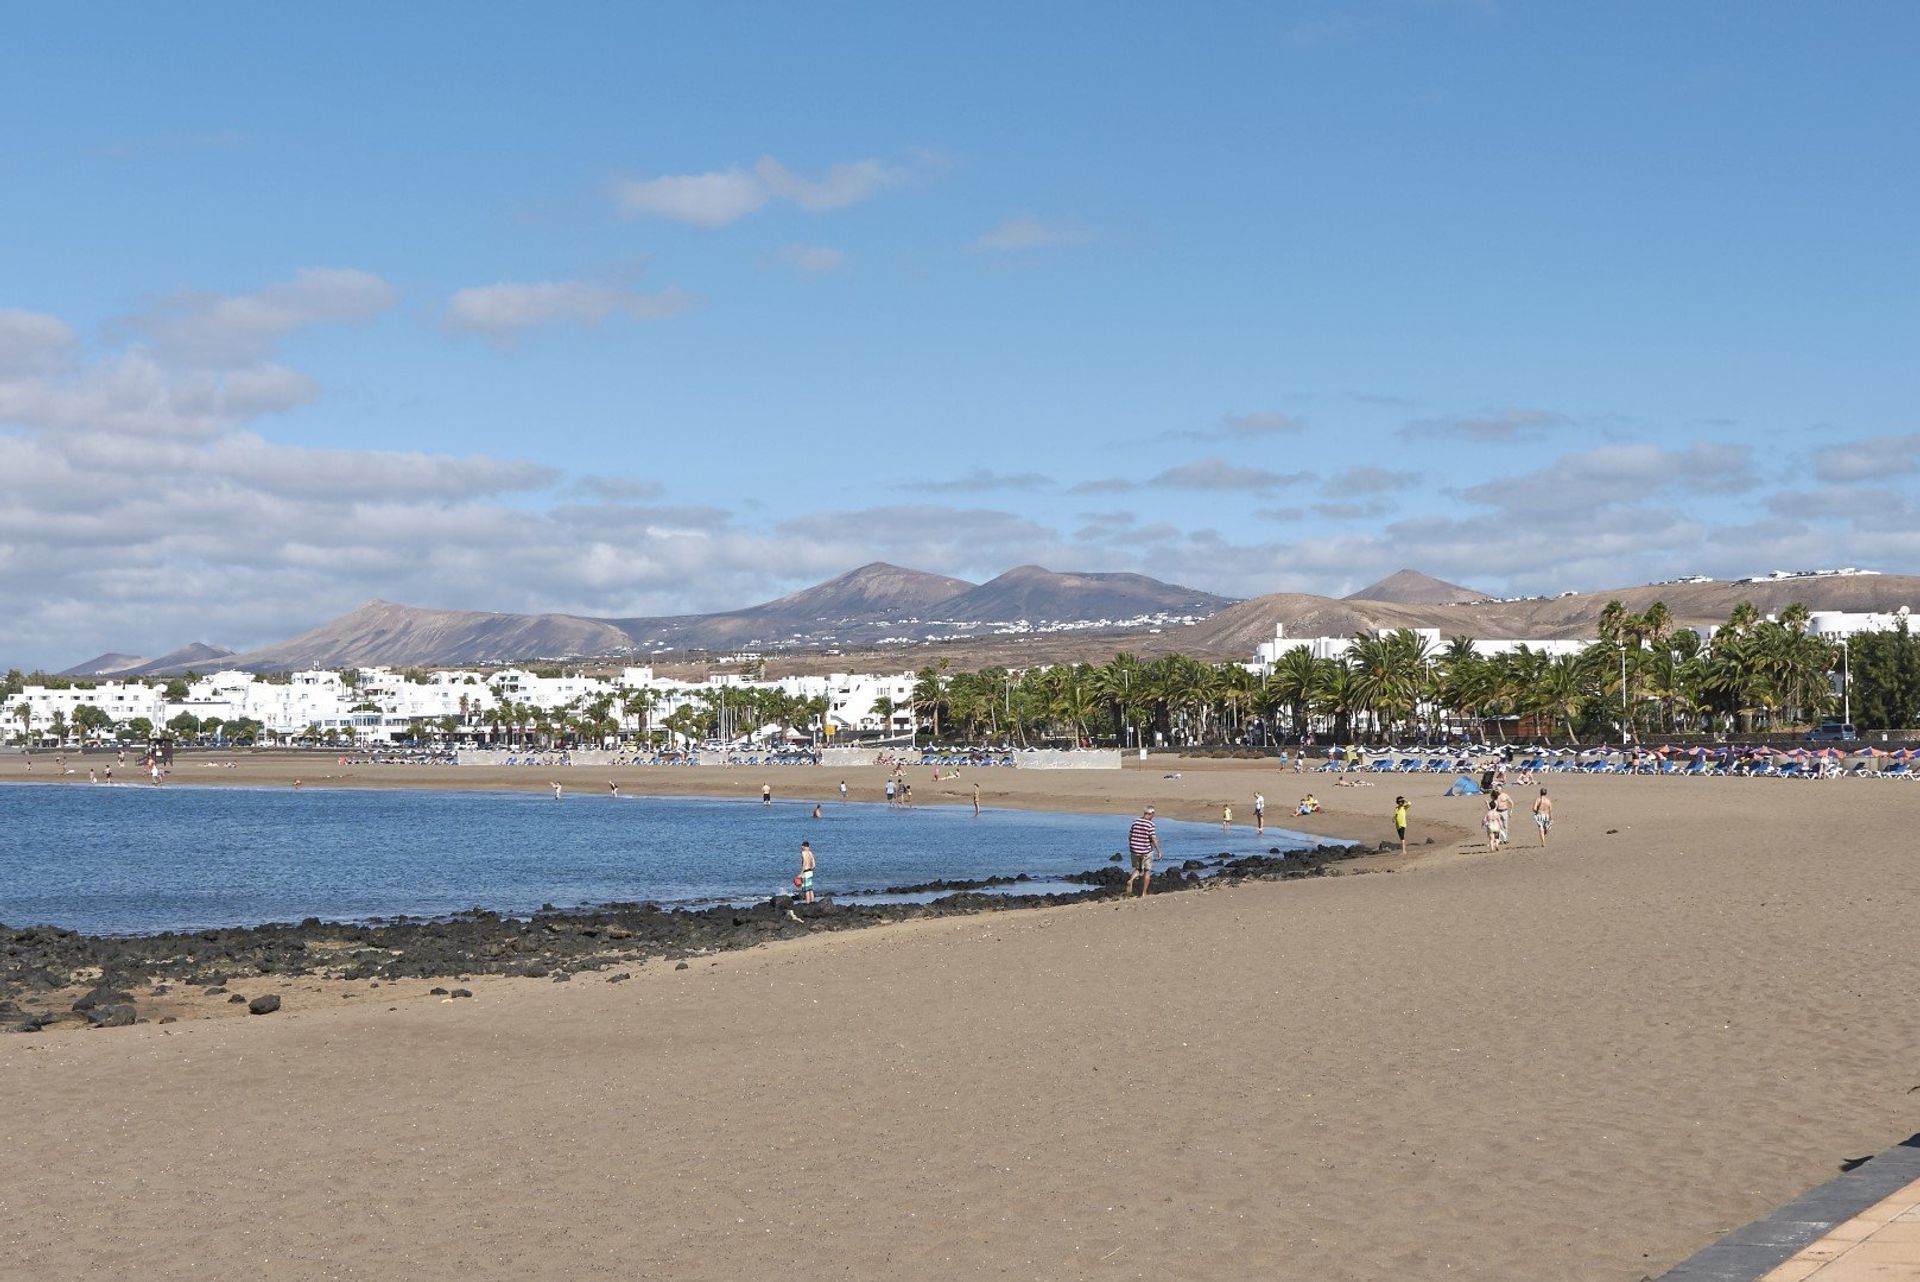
point(806, 872)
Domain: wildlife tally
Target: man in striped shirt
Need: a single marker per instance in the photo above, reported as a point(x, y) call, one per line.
point(1143, 843)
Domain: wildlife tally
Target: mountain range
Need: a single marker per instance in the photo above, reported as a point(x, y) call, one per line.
point(1027, 615)
point(874, 603)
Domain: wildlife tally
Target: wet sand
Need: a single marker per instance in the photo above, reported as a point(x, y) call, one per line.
point(1582, 1064)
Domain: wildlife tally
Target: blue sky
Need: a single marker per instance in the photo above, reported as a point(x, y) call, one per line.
point(622, 311)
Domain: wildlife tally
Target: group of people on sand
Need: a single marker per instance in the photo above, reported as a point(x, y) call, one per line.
point(1500, 807)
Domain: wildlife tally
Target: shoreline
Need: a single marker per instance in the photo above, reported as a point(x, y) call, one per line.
point(54, 978)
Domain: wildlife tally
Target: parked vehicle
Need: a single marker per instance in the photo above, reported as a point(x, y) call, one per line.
point(1832, 732)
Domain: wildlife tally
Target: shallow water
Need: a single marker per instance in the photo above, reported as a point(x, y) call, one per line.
point(133, 859)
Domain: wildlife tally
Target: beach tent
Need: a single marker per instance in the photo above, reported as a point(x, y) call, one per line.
point(1463, 787)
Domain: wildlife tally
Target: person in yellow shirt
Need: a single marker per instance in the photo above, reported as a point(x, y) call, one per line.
point(1400, 821)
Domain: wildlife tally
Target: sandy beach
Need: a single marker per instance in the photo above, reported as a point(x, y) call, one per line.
point(1582, 1063)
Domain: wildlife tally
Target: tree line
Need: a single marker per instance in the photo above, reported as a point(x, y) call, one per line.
point(1643, 673)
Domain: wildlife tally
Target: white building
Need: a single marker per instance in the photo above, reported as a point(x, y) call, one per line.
point(1838, 625)
point(122, 701)
point(1268, 653)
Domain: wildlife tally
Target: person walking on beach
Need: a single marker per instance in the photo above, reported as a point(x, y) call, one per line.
point(843, 790)
point(1143, 844)
point(976, 801)
point(1259, 814)
point(1543, 815)
point(1400, 821)
point(1226, 818)
point(806, 873)
point(890, 793)
point(555, 785)
point(766, 794)
point(1503, 806)
point(1492, 821)
point(906, 793)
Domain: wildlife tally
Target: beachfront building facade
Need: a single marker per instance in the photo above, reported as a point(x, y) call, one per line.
point(1268, 653)
point(384, 705)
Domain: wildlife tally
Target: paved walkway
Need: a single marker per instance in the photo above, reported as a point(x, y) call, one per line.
point(1881, 1242)
point(1863, 1226)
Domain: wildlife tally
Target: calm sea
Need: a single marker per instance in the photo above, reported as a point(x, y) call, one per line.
point(132, 859)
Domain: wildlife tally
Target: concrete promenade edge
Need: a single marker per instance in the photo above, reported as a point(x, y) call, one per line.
point(1754, 1250)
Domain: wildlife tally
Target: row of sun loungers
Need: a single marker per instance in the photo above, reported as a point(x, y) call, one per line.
point(1758, 767)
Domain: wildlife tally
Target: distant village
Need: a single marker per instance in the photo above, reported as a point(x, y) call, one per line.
point(385, 705)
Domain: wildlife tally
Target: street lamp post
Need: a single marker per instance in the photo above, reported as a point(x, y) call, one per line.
point(1624, 731)
point(1846, 682)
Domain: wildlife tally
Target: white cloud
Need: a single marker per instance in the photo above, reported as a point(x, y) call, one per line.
point(705, 200)
point(1024, 232)
point(31, 343)
point(1868, 457)
point(1218, 474)
point(225, 330)
point(1575, 486)
point(840, 186)
point(1262, 423)
point(813, 258)
point(501, 311)
point(980, 480)
point(135, 394)
point(1494, 426)
point(1366, 478)
point(723, 196)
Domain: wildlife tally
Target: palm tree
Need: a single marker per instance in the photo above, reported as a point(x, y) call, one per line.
point(1294, 680)
point(641, 703)
point(1563, 691)
point(929, 692)
point(1612, 623)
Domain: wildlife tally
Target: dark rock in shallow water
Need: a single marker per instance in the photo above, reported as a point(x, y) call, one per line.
point(460, 992)
point(236, 998)
point(264, 1005)
point(436, 992)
